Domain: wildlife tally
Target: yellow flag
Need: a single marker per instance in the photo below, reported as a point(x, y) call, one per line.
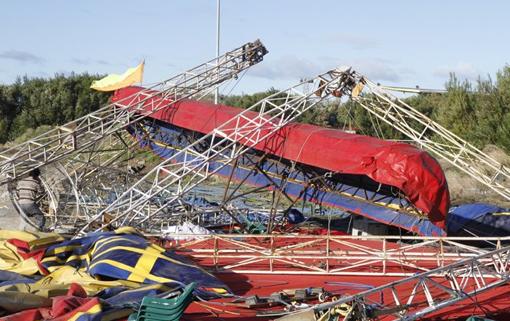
point(114, 81)
point(357, 89)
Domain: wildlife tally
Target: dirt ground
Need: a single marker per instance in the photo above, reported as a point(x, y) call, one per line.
point(464, 189)
point(9, 218)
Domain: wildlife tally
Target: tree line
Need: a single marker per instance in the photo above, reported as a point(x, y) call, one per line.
point(477, 111)
point(38, 103)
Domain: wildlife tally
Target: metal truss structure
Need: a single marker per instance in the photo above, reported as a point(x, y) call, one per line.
point(439, 272)
point(431, 136)
point(329, 254)
point(426, 293)
point(183, 171)
point(84, 133)
point(314, 182)
point(166, 184)
point(90, 149)
point(85, 161)
point(270, 179)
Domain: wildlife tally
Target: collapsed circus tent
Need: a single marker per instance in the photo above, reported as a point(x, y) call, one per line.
point(408, 169)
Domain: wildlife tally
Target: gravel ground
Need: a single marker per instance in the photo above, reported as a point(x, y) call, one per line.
point(9, 218)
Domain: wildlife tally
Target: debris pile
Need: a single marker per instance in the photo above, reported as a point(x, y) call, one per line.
point(43, 276)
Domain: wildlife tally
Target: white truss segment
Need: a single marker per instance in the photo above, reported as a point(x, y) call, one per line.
point(433, 137)
point(367, 255)
point(82, 133)
point(431, 291)
point(178, 174)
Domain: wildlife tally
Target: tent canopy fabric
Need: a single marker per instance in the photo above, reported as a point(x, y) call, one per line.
point(100, 276)
point(479, 218)
point(166, 140)
point(401, 165)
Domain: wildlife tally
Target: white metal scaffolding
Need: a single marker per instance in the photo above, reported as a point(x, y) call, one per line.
point(423, 294)
point(431, 136)
point(178, 174)
point(84, 132)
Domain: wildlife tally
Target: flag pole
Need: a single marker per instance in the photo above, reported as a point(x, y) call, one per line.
point(216, 92)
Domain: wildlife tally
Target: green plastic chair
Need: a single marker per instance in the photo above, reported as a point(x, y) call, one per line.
point(255, 228)
point(156, 309)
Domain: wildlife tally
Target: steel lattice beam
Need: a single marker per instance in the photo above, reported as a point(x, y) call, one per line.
point(86, 131)
point(177, 175)
point(432, 136)
point(332, 255)
point(417, 296)
point(188, 168)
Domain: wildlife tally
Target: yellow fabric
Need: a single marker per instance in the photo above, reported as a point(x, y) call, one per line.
point(144, 265)
point(128, 230)
point(44, 290)
point(8, 254)
point(58, 282)
point(61, 275)
point(45, 240)
point(11, 261)
point(26, 267)
point(35, 240)
point(66, 275)
point(502, 213)
point(19, 235)
point(12, 302)
point(114, 81)
point(357, 89)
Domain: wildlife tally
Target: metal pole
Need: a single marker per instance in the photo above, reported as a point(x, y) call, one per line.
point(216, 92)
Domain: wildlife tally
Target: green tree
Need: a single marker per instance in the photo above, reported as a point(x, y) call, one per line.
point(30, 103)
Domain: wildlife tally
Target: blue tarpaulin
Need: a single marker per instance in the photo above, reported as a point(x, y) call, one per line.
point(480, 219)
point(128, 256)
point(166, 140)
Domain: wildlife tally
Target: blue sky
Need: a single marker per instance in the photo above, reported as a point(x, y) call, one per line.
point(393, 42)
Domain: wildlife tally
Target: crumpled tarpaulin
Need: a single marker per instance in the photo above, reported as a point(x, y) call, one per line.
point(21, 251)
point(73, 305)
point(101, 276)
point(127, 257)
point(166, 140)
point(480, 219)
point(413, 171)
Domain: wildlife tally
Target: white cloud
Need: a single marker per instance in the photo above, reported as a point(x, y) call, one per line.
point(80, 61)
point(21, 56)
point(461, 69)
